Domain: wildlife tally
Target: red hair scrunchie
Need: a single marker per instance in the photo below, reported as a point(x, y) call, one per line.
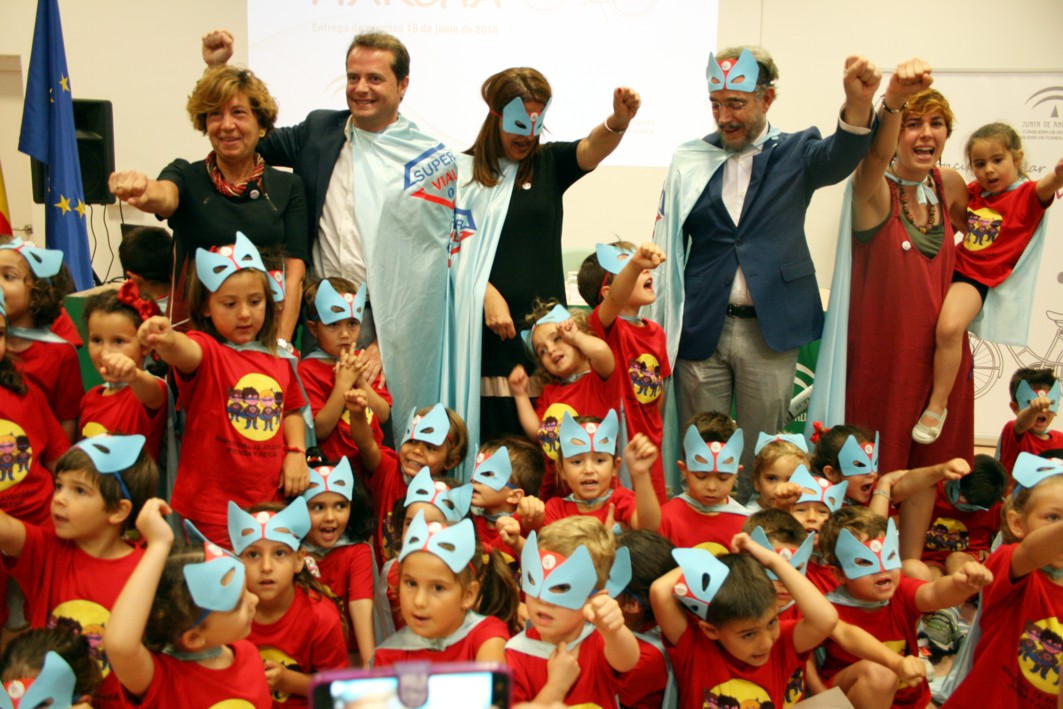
point(129, 295)
point(818, 429)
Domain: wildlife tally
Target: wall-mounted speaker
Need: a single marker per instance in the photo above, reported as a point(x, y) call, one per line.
point(94, 124)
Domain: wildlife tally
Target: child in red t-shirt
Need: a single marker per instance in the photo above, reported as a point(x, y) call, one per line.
point(966, 517)
point(617, 281)
point(39, 666)
point(776, 458)
point(507, 475)
point(811, 500)
point(1035, 397)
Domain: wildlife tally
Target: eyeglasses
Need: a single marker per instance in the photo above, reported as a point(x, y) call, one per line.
point(734, 105)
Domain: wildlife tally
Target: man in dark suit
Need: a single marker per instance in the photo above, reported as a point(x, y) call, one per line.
point(747, 297)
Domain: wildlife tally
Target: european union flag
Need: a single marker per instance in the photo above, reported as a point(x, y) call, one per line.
point(48, 135)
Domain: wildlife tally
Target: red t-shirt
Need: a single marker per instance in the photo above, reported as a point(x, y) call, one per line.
point(29, 435)
point(643, 686)
point(122, 412)
point(73, 589)
point(488, 535)
point(54, 367)
point(822, 576)
point(642, 353)
point(308, 638)
point(463, 650)
point(1011, 444)
point(705, 673)
point(180, 684)
point(1018, 658)
point(894, 625)
point(387, 485)
point(233, 446)
point(318, 379)
point(597, 685)
point(687, 528)
point(954, 530)
point(999, 227)
point(622, 499)
point(348, 572)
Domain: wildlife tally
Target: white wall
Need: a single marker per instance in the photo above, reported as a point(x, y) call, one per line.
point(143, 56)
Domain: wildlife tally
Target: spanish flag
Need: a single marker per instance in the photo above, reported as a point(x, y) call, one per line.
point(5, 211)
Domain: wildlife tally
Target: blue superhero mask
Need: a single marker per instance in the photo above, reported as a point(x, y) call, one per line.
point(874, 556)
point(53, 687)
point(815, 489)
point(733, 74)
point(454, 503)
point(276, 284)
point(1031, 469)
point(333, 306)
point(216, 584)
point(613, 258)
point(338, 479)
point(214, 266)
point(765, 438)
point(455, 544)
point(113, 454)
point(703, 576)
point(1024, 394)
point(287, 527)
point(797, 558)
point(857, 458)
point(577, 438)
point(44, 263)
point(568, 582)
point(954, 495)
point(494, 470)
point(432, 428)
point(715, 457)
point(517, 121)
point(557, 314)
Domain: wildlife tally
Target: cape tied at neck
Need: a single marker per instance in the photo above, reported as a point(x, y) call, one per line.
point(841, 597)
point(729, 506)
point(924, 193)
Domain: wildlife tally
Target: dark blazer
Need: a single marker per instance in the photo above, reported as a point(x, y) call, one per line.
point(310, 148)
point(769, 243)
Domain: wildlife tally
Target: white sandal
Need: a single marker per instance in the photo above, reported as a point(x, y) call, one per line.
point(928, 434)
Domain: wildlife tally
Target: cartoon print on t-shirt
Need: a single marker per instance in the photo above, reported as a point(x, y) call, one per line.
point(795, 687)
point(1040, 646)
point(232, 704)
point(947, 535)
point(737, 694)
point(91, 428)
point(88, 619)
point(268, 652)
point(645, 374)
point(16, 455)
point(983, 227)
point(550, 428)
point(255, 406)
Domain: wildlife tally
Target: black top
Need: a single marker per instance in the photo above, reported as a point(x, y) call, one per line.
point(528, 259)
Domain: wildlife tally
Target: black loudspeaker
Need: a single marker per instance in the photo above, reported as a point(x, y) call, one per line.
point(94, 124)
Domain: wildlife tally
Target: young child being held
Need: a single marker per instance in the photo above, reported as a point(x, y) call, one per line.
point(721, 625)
point(334, 308)
point(34, 284)
point(131, 400)
point(1035, 396)
point(146, 257)
point(297, 626)
point(508, 473)
point(443, 581)
point(260, 440)
point(1016, 661)
point(576, 641)
point(178, 629)
point(341, 525)
point(876, 597)
point(1004, 212)
point(776, 458)
point(706, 516)
point(617, 281)
point(576, 370)
point(49, 667)
point(588, 465)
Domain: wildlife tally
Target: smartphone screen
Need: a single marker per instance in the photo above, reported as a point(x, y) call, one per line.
point(467, 690)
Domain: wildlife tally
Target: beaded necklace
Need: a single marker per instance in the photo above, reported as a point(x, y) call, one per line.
point(931, 209)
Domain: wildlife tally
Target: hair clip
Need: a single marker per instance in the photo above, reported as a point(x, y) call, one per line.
point(765, 438)
point(432, 428)
point(494, 470)
point(276, 283)
point(129, 294)
point(333, 306)
point(517, 121)
point(44, 263)
point(857, 458)
point(733, 74)
point(703, 576)
point(797, 558)
point(455, 544)
point(715, 457)
point(288, 526)
point(557, 314)
point(217, 582)
point(577, 438)
point(613, 258)
point(1030, 469)
point(53, 688)
point(859, 559)
point(454, 503)
point(1024, 394)
point(816, 489)
point(818, 429)
point(338, 479)
point(112, 454)
point(553, 578)
point(214, 266)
